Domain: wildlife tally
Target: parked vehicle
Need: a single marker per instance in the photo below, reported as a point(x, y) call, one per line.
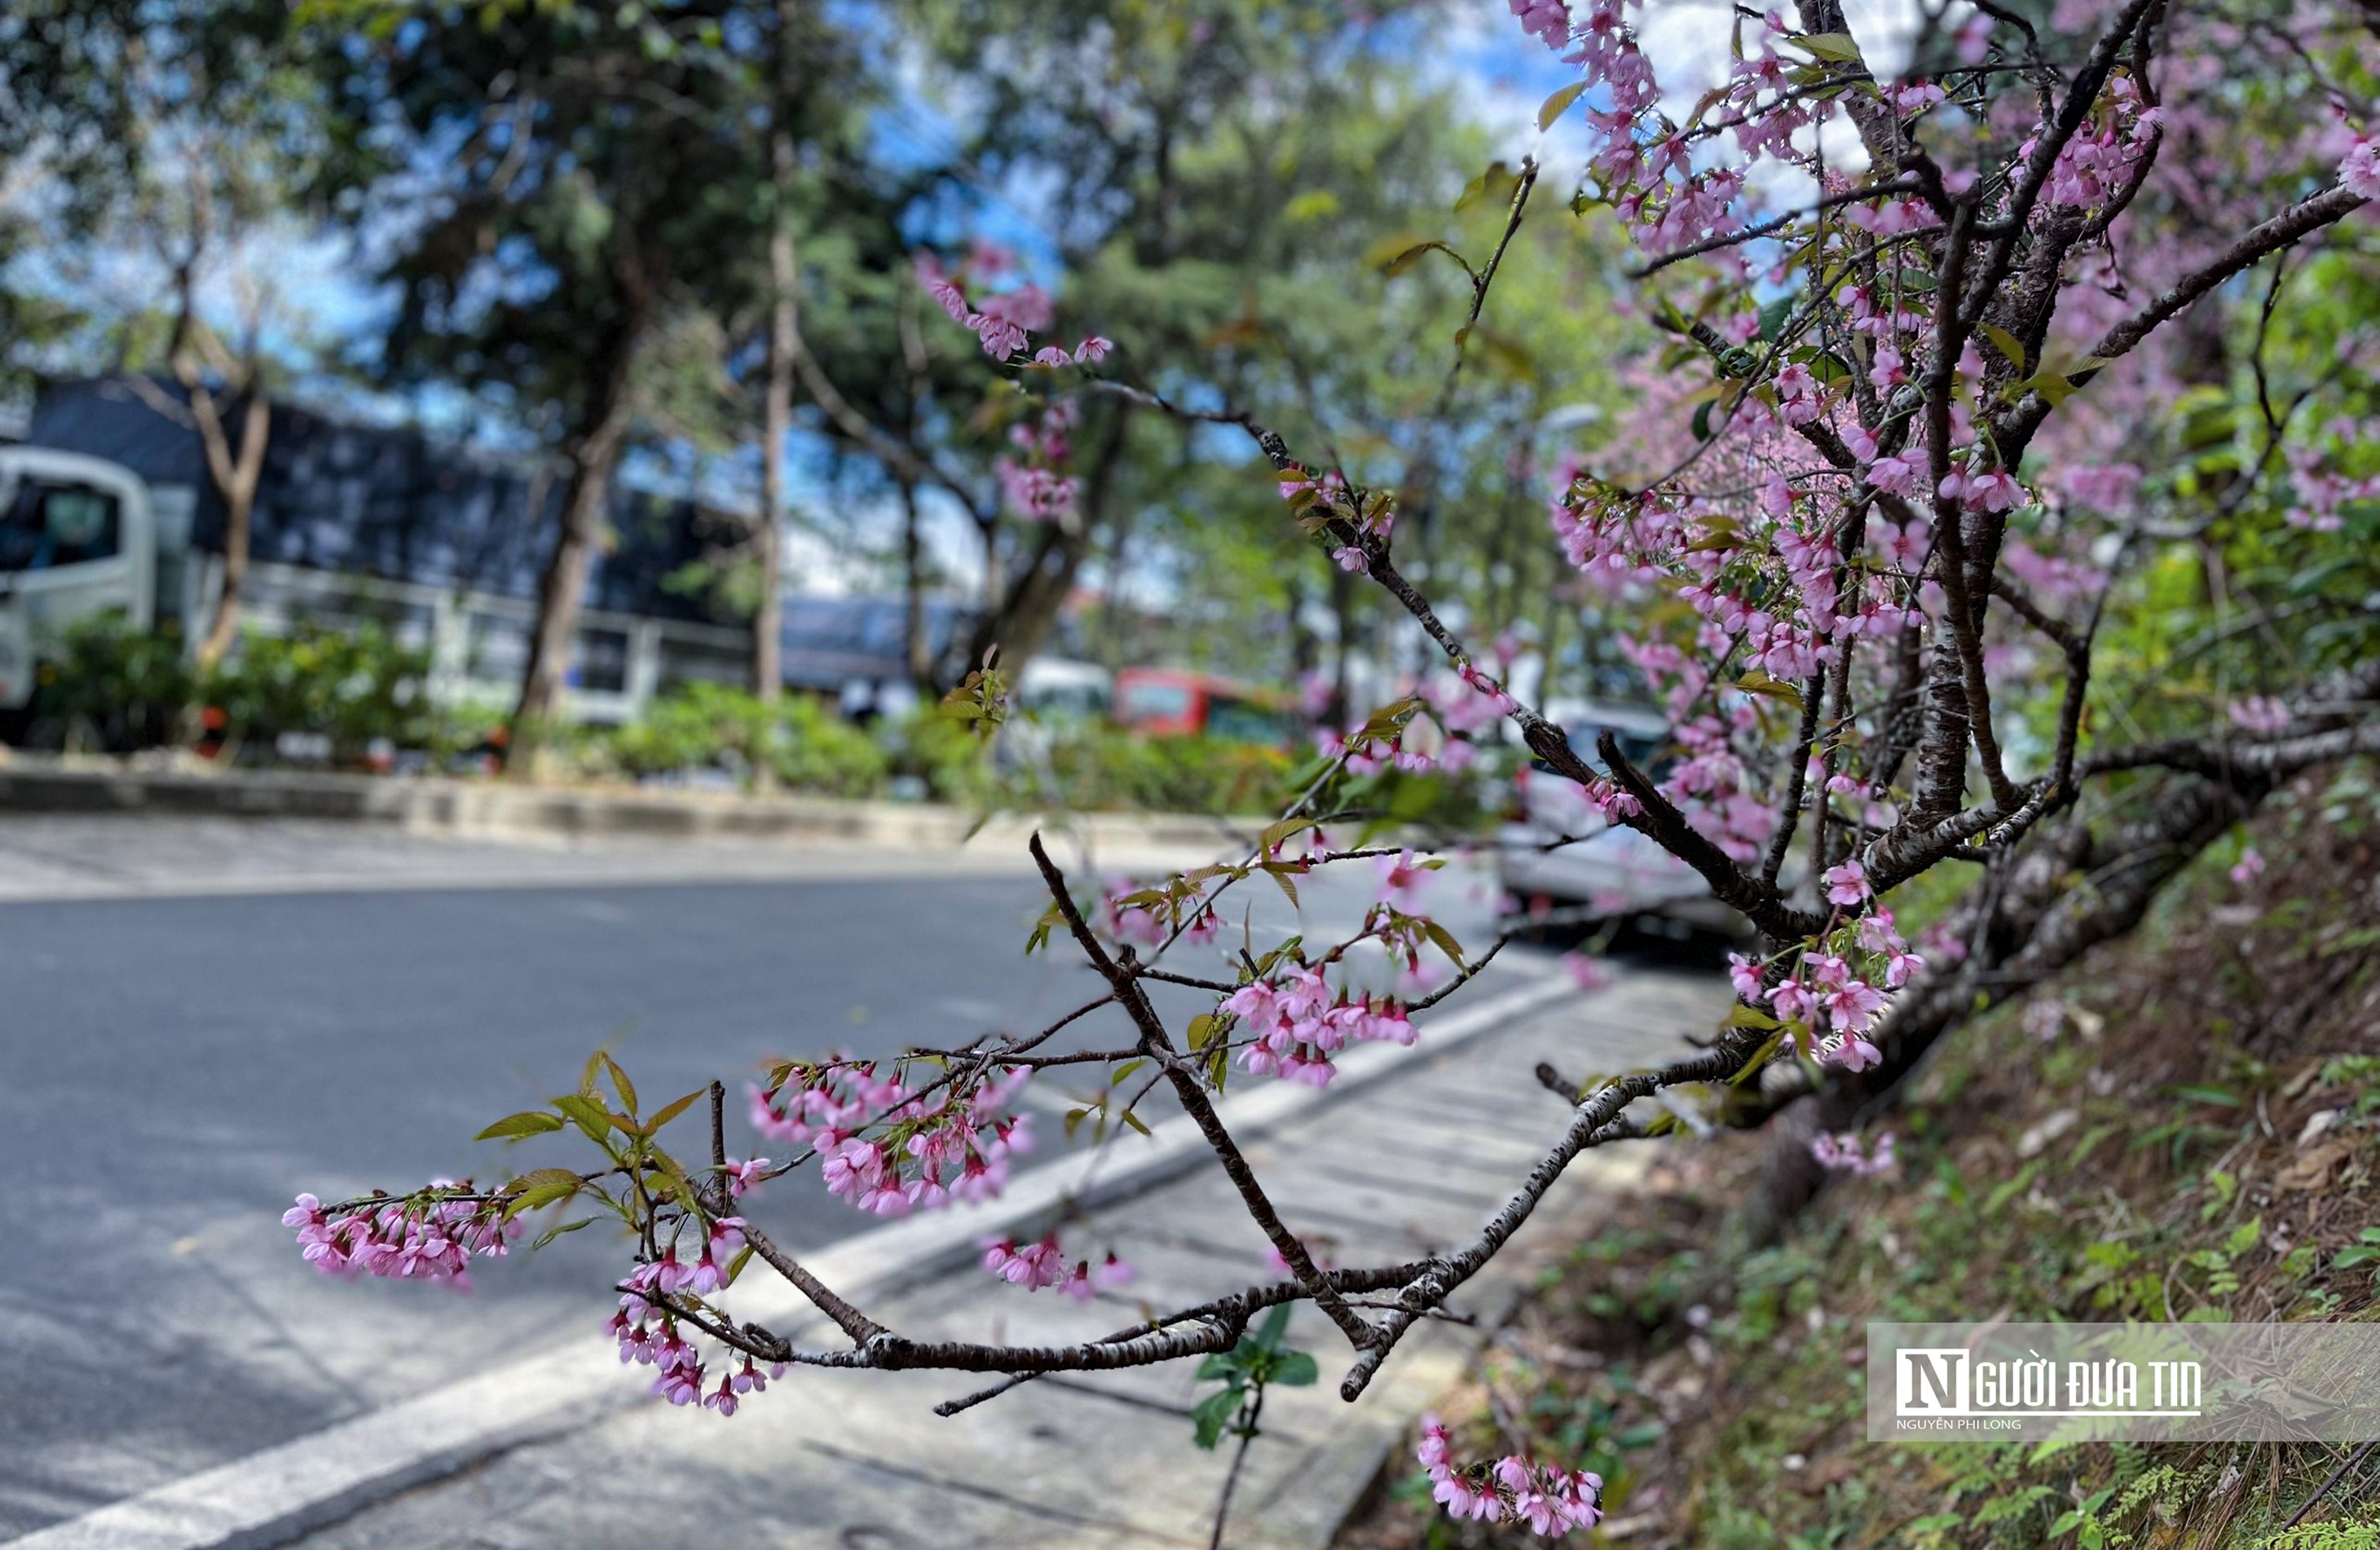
point(107, 506)
point(1054, 697)
point(1558, 851)
point(1176, 702)
point(1059, 690)
point(77, 536)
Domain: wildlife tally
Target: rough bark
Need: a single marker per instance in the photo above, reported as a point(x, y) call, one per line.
point(236, 471)
point(2025, 921)
point(1019, 617)
point(562, 585)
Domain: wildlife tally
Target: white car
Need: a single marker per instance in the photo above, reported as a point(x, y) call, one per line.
point(1562, 853)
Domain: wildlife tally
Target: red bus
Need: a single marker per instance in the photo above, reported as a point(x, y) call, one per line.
point(1174, 702)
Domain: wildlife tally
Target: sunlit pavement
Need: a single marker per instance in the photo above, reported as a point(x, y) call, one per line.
point(185, 1056)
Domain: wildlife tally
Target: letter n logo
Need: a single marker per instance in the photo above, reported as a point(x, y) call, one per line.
point(1929, 1381)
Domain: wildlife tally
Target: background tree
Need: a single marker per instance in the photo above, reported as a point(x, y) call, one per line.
point(581, 164)
point(171, 155)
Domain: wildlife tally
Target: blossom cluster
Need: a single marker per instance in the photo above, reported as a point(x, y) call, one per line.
point(927, 1148)
point(1845, 1153)
point(432, 1237)
point(669, 1275)
point(1832, 1000)
point(1296, 1022)
point(1041, 1263)
point(1549, 1500)
point(1453, 713)
point(1156, 916)
point(648, 1341)
point(1324, 495)
point(1006, 320)
point(1034, 485)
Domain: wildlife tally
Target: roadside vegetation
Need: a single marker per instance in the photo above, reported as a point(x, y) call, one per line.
point(356, 699)
point(2185, 1125)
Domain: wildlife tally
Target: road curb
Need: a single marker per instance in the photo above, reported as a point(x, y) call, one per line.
point(282, 1492)
point(431, 805)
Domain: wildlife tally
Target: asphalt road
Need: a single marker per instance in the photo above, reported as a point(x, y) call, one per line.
point(175, 1068)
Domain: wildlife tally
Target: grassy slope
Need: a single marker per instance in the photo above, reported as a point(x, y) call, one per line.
point(2198, 1138)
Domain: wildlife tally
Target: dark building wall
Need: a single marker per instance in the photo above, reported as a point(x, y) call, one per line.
point(369, 501)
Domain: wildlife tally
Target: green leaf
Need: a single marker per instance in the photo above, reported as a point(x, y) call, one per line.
point(586, 1114)
point(1134, 1121)
point(1443, 940)
point(1558, 105)
point(2011, 347)
point(515, 1126)
point(1759, 1059)
point(1276, 834)
point(1041, 936)
point(1840, 48)
point(1295, 1369)
point(1275, 1325)
point(1756, 682)
point(542, 1187)
point(2054, 389)
point(672, 1110)
point(2208, 1094)
point(557, 1230)
point(1411, 256)
point(1212, 1415)
point(621, 1085)
point(1742, 1016)
point(1222, 1364)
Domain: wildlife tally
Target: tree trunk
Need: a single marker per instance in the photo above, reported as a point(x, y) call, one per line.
point(236, 472)
point(1018, 619)
point(2027, 921)
point(785, 325)
point(777, 420)
point(1337, 712)
point(919, 649)
point(562, 585)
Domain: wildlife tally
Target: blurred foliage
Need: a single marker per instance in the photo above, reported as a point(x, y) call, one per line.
point(356, 687)
point(712, 727)
point(1099, 768)
point(111, 688)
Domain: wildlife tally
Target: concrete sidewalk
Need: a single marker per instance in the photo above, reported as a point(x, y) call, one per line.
point(153, 855)
point(844, 1460)
point(435, 805)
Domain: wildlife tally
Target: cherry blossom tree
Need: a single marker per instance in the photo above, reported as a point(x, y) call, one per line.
point(1879, 510)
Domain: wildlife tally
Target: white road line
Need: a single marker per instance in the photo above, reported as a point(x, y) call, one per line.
point(271, 1498)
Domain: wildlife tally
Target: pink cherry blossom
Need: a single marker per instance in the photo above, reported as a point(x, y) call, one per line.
point(2359, 171)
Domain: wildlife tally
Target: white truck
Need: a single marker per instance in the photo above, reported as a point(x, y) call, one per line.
point(79, 536)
